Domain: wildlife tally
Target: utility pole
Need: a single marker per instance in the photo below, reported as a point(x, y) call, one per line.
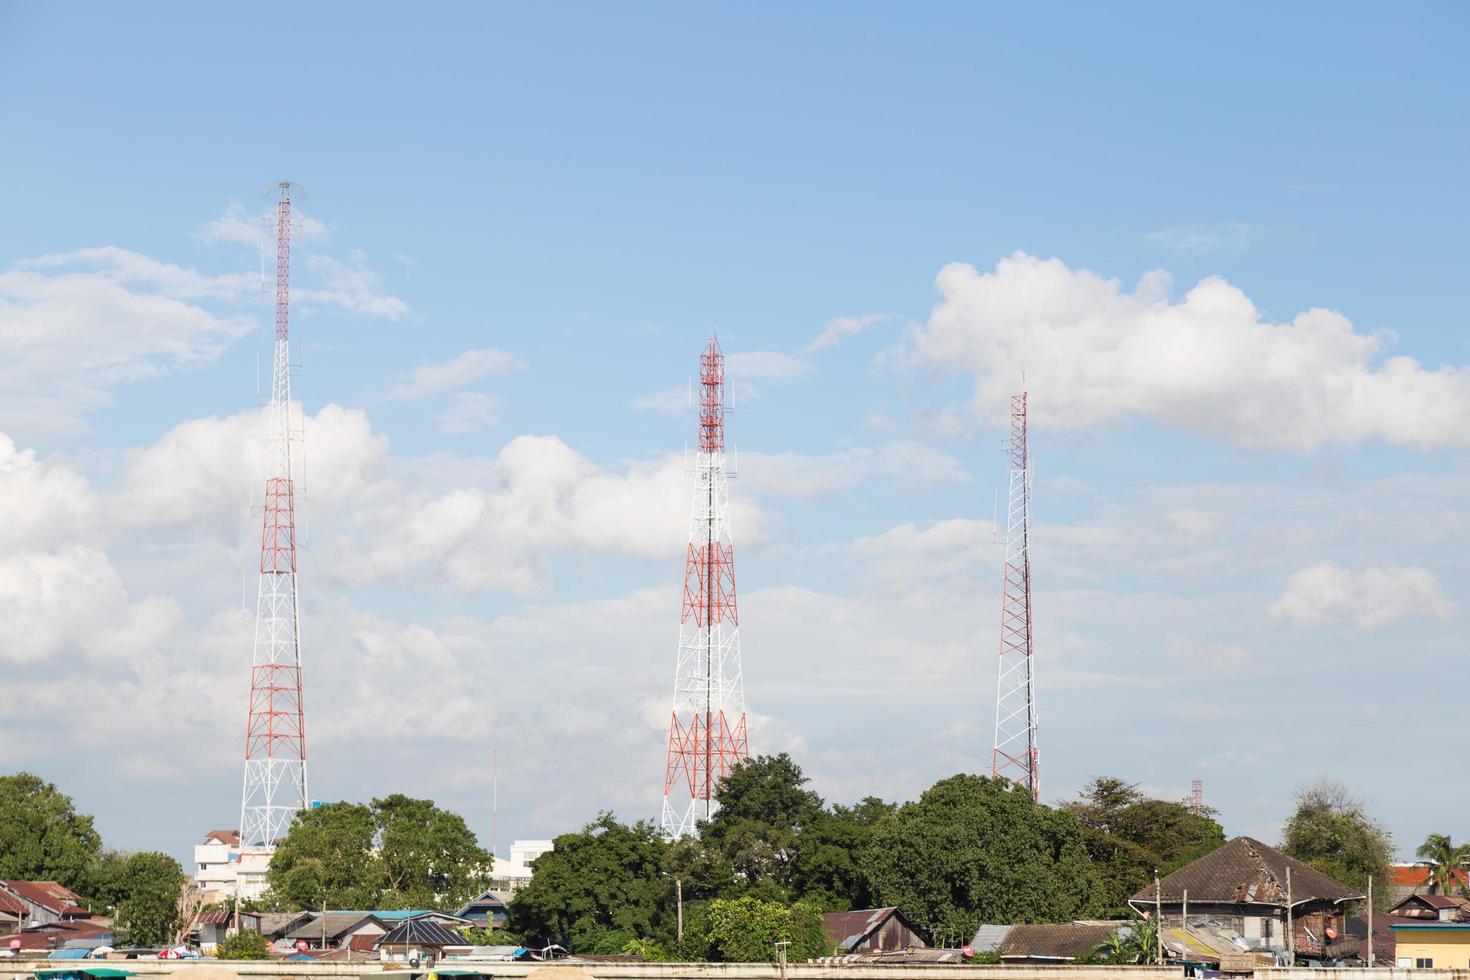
point(1158, 919)
point(679, 893)
point(781, 955)
point(1290, 922)
point(707, 735)
point(1016, 756)
point(1370, 920)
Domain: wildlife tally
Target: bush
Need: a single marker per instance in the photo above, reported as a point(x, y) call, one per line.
point(746, 930)
point(243, 946)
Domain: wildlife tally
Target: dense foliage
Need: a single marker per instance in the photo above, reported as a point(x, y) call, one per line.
point(973, 850)
point(598, 889)
point(397, 852)
point(243, 946)
point(746, 930)
point(141, 892)
point(1331, 830)
point(1129, 837)
point(42, 836)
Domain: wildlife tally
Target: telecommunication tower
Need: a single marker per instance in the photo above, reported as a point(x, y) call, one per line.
point(1197, 795)
point(275, 730)
point(707, 728)
point(1016, 756)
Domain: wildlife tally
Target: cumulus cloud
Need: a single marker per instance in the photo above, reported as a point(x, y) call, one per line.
point(428, 380)
point(846, 326)
point(1092, 352)
point(1371, 597)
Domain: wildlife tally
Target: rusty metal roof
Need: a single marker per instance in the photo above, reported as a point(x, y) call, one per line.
point(848, 929)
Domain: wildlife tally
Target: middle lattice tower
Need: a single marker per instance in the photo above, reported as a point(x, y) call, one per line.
point(707, 729)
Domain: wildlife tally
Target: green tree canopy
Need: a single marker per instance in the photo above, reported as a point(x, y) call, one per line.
point(973, 850)
point(42, 836)
point(1331, 830)
point(397, 852)
point(243, 946)
point(764, 811)
point(141, 892)
point(746, 930)
point(1130, 836)
point(598, 889)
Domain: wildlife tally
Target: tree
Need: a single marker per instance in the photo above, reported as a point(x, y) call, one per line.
point(1137, 942)
point(763, 813)
point(974, 850)
point(746, 930)
point(828, 871)
point(243, 946)
point(598, 889)
point(397, 852)
point(1331, 831)
point(42, 836)
point(141, 891)
point(328, 860)
point(1129, 837)
point(1445, 858)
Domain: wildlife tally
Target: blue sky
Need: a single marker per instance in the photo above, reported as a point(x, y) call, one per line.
point(1238, 549)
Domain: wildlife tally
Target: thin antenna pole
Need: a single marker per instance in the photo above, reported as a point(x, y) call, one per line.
point(494, 802)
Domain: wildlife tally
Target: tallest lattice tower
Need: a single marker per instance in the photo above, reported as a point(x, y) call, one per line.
point(1016, 756)
point(707, 730)
point(275, 732)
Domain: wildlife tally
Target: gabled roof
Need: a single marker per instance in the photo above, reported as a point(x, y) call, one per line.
point(1435, 902)
point(335, 924)
point(231, 837)
point(1055, 940)
point(47, 894)
point(1244, 871)
point(421, 932)
point(849, 929)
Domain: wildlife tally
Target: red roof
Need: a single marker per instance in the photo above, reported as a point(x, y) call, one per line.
point(10, 905)
point(49, 895)
point(362, 943)
point(231, 837)
point(1415, 875)
point(55, 934)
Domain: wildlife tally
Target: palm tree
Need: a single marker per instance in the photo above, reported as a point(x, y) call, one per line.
point(1444, 858)
point(1136, 942)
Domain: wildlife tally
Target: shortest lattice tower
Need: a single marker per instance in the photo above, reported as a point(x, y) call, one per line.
point(707, 729)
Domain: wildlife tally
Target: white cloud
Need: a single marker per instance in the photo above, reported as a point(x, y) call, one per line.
point(668, 401)
point(765, 365)
point(1371, 597)
point(352, 286)
point(1092, 352)
point(806, 477)
point(1232, 236)
point(846, 326)
point(428, 380)
point(237, 226)
point(470, 412)
point(75, 325)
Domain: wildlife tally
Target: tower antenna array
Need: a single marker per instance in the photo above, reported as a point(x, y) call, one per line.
point(707, 728)
point(1016, 757)
point(275, 730)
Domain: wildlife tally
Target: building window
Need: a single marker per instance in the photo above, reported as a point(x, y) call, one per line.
point(1424, 963)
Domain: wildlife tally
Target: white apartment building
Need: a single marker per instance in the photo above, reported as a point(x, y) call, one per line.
point(224, 872)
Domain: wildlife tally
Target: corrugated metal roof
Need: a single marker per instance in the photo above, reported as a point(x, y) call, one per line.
point(988, 938)
point(848, 929)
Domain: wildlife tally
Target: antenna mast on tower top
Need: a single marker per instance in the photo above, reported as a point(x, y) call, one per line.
point(707, 729)
point(1016, 756)
point(275, 731)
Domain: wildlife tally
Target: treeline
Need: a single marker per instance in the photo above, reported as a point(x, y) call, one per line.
point(44, 838)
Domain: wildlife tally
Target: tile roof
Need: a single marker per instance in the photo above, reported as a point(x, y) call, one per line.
point(1414, 875)
point(1055, 940)
point(1245, 871)
point(231, 837)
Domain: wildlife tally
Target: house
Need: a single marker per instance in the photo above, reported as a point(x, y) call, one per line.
point(43, 902)
point(419, 942)
point(1441, 908)
point(1254, 898)
point(489, 909)
point(871, 931)
point(332, 930)
point(275, 925)
point(1048, 942)
point(64, 934)
point(12, 912)
point(1432, 945)
point(226, 871)
point(1416, 879)
point(212, 925)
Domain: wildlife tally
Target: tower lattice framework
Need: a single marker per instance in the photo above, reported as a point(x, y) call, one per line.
point(707, 728)
point(275, 730)
point(1016, 757)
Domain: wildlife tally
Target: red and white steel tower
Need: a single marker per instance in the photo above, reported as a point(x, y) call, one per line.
point(275, 731)
point(1016, 756)
point(707, 729)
